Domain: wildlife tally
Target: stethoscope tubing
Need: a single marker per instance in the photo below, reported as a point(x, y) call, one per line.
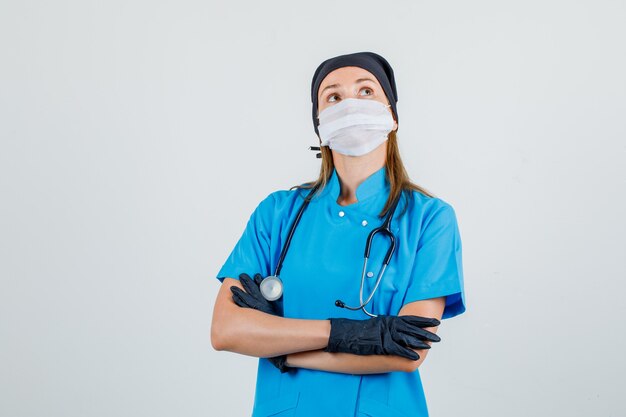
point(272, 286)
point(270, 283)
point(385, 229)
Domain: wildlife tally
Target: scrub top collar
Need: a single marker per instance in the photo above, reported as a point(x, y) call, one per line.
point(374, 185)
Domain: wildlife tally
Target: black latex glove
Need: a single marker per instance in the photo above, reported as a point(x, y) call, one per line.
point(382, 335)
point(252, 298)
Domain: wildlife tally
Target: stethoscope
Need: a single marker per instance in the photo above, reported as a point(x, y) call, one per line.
point(272, 286)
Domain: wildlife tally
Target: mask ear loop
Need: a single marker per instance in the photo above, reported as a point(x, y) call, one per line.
point(316, 148)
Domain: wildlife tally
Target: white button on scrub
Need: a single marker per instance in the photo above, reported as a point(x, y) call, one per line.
point(370, 274)
point(364, 222)
point(341, 214)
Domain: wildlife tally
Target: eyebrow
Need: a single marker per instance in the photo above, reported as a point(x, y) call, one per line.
point(337, 85)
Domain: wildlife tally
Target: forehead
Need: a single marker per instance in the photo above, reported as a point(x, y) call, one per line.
point(346, 75)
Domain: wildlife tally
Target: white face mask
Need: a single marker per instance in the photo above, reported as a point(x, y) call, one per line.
point(355, 126)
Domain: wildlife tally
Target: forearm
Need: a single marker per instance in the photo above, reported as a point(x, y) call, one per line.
point(348, 363)
point(254, 333)
point(363, 364)
point(251, 332)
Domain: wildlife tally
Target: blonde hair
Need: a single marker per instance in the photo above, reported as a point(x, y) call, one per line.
point(395, 172)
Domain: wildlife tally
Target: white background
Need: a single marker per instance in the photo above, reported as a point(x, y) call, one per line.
point(138, 137)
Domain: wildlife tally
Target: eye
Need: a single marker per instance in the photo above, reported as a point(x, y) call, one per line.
point(330, 97)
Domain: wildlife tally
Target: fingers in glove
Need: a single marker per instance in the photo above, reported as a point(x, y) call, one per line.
point(410, 341)
point(244, 275)
point(416, 332)
point(242, 299)
point(419, 321)
point(250, 287)
point(258, 278)
point(279, 362)
point(404, 352)
point(237, 300)
point(422, 334)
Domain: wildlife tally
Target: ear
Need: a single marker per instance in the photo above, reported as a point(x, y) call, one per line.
point(395, 124)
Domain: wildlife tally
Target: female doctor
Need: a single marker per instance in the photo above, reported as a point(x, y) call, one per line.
point(342, 339)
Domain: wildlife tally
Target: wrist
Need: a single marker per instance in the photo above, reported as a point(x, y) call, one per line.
point(325, 329)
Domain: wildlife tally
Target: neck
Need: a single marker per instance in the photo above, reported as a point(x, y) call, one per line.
point(353, 170)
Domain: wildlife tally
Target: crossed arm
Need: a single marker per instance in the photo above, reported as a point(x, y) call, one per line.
point(254, 333)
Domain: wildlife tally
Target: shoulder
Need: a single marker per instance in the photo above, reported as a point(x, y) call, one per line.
point(430, 217)
point(279, 201)
point(428, 208)
point(282, 197)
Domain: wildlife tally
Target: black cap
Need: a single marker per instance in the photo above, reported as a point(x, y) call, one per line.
point(369, 61)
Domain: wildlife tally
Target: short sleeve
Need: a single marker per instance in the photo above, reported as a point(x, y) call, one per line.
point(438, 267)
point(251, 254)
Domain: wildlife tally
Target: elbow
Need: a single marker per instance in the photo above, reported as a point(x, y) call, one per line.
point(412, 366)
point(219, 339)
point(224, 323)
point(216, 341)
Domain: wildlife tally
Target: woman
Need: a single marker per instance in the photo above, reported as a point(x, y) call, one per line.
point(316, 358)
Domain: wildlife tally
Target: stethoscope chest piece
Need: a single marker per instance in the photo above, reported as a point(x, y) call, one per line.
point(271, 288)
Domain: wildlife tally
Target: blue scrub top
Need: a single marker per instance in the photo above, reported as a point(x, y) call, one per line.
point(324, 263)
